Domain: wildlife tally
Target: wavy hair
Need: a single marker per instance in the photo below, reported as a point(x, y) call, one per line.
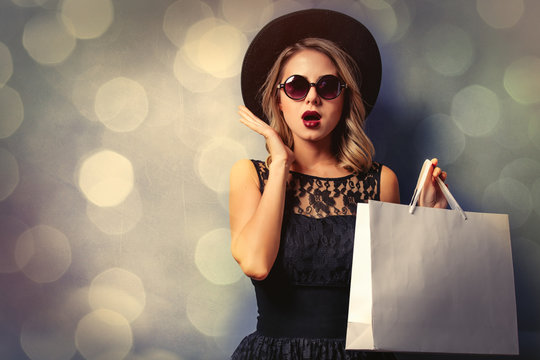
point(351, 146)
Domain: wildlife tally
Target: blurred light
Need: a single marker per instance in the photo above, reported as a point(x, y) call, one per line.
point(9, 177)
point(12, 228)
point(525, 170)
point(215, 159)
point(121, 104)
point(87, 19)
point(85, 88)
point(192, 78)
point(49, 336)
point(47, 40)
point(29, 3)
point(522, 80)
point(375, 4)
point(118, 290)
point(247, 15)
point(43, 254)
point(154, 354)
point(214, 260)
point(512, 130)
point(212, 114)
point(534, 131)
point(106, 178)
point(119, 219)
point(535, 191)
point(209, 308)
point(448, 50)
point(438, 136)
point(508, 196)
point(102, 335)
point(475, 109)
point(500, 13)
point(282, 7)
point(215, 47)
point(12, 113)
point(182, 14)
point(6, 64)
point(165, 99)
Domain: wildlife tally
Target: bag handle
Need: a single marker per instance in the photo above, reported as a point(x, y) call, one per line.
point(420, 185)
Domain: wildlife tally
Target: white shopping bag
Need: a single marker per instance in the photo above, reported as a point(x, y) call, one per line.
point(431, 280)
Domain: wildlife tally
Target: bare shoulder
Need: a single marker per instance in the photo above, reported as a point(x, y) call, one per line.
point(389, 186)
point(243, 172)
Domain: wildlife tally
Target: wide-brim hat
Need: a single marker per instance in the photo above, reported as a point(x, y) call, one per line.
point(345, 31)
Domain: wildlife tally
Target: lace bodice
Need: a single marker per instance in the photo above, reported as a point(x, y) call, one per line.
point(318, 225)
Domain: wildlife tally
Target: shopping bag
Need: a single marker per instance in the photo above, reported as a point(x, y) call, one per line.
point(431, 280)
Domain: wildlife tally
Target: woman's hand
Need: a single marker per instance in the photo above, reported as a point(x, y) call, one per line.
point(432, 195)
point(279, 152)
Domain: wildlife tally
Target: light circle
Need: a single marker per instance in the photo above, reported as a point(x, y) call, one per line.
point(508, 196)
point(9, 176)
point(448, 50)
point(535, 192)
point(522, 80)
point(87, 19)
point(6, 64)
point(191, 77)
point(121, 104)
point(119, 219)
point(215, 47)
point(476, 110)
point(12, 228)
point(180, 15)
point(106, 178)
point(48, 336)
point(12, 114)
point(246, 15)
point(120, 291)
point(214, 260)
point(43, 253)
point(103, 334)
point(46, 39)
point(208, 307)
point(500, 14)
point(215, 159)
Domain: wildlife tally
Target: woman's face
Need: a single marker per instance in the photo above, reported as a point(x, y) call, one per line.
point(313, 118)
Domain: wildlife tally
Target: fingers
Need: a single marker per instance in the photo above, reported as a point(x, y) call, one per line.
point(252, 121)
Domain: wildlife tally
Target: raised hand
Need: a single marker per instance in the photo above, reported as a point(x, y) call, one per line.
point(432, 195)
point(279, 152)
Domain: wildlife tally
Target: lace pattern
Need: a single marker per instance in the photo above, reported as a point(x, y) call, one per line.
point(319, 197)
point(318, 226)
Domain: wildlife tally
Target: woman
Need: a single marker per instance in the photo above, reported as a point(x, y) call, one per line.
point(292, 217)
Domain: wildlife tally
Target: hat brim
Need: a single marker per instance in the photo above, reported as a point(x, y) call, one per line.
point(348, 33)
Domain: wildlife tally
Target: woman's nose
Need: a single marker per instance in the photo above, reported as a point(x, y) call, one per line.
point(312, 95)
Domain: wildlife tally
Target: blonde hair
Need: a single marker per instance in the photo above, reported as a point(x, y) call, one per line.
point(352, 148)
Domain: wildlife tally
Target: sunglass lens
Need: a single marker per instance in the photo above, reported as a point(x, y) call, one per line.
point(328, 87)
point(296, 87)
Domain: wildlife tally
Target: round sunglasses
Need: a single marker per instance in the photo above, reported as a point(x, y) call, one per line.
point(297, 87)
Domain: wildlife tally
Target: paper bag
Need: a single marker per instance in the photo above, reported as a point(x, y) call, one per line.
point(433, 280)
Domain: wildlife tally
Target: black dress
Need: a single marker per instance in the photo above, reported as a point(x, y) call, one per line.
point(303, 302)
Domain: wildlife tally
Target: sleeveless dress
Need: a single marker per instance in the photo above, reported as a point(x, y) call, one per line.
point(304, 301)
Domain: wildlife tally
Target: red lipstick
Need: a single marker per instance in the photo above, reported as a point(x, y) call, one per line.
point(312, 119)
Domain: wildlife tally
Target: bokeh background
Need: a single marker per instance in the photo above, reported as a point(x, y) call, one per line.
point(118, 128)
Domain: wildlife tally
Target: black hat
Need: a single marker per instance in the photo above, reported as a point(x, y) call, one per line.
point(349, 34)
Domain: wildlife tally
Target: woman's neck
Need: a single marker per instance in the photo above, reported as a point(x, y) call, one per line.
point(316, 158)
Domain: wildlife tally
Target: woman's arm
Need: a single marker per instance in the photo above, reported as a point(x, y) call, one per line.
point(389, 186)
point(256, 219)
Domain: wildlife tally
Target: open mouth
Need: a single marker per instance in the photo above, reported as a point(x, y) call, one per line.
point(311, 119)
point(311, 116)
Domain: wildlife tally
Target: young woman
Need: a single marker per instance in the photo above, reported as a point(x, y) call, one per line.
point(292, 217)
